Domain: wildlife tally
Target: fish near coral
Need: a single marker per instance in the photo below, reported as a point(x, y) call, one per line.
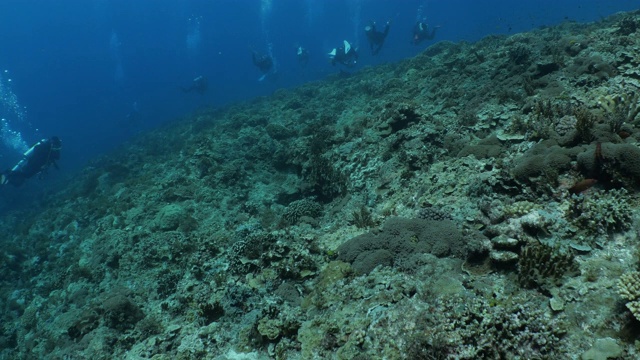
point(582, 186)
point(623, 134)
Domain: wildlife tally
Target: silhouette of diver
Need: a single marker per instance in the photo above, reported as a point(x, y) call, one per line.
point(303, 55)
point(132, 118)
point(198, 85)
point(376, 38)
point(345, 55)
point(264, 62)
point(36, 161)
point(421, 32)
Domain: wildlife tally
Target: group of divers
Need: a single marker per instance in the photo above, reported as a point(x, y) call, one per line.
point(46, 152)
point(345, 54)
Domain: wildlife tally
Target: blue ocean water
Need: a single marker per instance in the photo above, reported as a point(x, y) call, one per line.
point(96, 72)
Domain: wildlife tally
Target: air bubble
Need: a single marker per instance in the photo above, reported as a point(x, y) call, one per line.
point(14, 116)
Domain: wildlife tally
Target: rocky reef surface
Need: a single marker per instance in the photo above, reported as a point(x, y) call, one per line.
point(477, 201)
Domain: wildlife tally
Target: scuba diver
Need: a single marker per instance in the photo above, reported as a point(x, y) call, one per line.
point(264, 62)
point(302, 55)
point(345, 55)
point(376, 38)
point(133, 117)
point(36, 161)
point(198, 85)
point(421, 32)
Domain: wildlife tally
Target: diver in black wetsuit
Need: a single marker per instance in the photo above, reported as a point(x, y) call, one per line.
point(345, 55)
point(421, 32)
point(264, 62)
point(198, 85)
point(35, 161)
point(376, 38)
point(303, 56)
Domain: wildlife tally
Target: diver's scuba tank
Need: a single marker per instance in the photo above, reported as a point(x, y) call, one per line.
point(27, 154)
point(30, 151)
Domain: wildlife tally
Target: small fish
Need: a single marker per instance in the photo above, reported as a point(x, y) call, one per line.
point(582, 186)
point(623, 134)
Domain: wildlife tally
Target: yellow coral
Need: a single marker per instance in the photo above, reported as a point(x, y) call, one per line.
point(519, 208)
point(629, 285)
point(629, 288)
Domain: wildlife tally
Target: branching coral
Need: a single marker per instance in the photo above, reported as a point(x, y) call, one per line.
point(465, 328)
point(629, 288)
point(620, 109)
point(627, 25)
point(324, 180)
point(543, 266)
point(362, 218)
point(602, 212)
point(584, 124)
point(544, 116)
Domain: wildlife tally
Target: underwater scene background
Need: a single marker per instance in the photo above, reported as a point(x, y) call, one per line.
point(95, 72)
point(235, 184)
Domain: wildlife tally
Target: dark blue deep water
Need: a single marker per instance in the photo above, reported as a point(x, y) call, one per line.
point(96, 72)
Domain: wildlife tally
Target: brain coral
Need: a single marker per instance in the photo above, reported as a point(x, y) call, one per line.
point(399, 239)
point(548, 162)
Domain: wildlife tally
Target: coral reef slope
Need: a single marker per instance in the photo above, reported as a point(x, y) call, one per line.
point(477, 201)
